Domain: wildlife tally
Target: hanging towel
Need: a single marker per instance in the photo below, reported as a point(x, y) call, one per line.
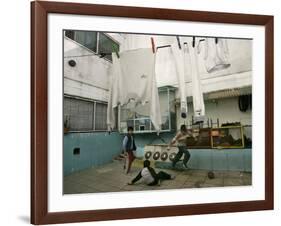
point(179, 56)
point(134, 83)
point(198, 99)
point(216, 54)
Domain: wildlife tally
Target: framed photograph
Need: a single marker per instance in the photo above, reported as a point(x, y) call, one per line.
point(147, 112)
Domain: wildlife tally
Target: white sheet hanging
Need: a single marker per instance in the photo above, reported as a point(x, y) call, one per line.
point(165, 68)
point(216, 54)
point(134, 83)
point(198, 99)
point(135, 41)
point(138, 70)
point(113, 99)
point(179, 56)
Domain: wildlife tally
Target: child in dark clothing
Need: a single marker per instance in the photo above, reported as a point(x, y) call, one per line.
point(149, 175)
point(129, 147)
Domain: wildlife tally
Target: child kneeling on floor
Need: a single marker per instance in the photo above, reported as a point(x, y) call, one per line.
point(150, 177)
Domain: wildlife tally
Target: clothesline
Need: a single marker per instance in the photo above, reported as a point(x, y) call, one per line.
point(166, 46)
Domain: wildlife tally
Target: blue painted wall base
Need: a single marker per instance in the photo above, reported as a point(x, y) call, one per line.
point(212, 159)
point(99, 148)
point(95, 149)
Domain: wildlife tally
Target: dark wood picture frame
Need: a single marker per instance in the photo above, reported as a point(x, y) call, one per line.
point(39, 112)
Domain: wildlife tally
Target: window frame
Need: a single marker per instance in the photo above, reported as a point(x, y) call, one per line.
point(95, 111)
point(108, 36)
point(97, 41)
point(80, 44)
point(94, 102)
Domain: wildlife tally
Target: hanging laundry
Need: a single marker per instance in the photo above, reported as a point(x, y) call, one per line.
point(182, 62)
point(198, 99)
point(134, 83)
point(179, 56)
point(140, 41)
point(136, 80)
point(135, 41)
point(113, 97)
point(165, 68)
point(216, 54)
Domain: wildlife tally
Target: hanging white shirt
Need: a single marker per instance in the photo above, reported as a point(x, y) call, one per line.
point(216, 54)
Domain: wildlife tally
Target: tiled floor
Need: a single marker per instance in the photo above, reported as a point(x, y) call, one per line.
point(111, 178)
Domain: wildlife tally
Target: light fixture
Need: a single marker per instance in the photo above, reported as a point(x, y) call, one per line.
point(72, 63)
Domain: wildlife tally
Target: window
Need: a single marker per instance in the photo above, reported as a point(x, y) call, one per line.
point(84, 115)
point(100, 116)
point(107, 45)
point(69, 34)
point(85, 38)
point(140, 119)
point(95, 41)
point(78, 114)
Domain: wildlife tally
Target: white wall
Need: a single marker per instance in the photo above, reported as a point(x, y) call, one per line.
point(89, 78)
point(225, 109)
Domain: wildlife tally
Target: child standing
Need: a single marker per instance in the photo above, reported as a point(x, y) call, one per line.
point(129, 147)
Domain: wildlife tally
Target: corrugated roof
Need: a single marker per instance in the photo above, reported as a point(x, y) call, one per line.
point(228, 93)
